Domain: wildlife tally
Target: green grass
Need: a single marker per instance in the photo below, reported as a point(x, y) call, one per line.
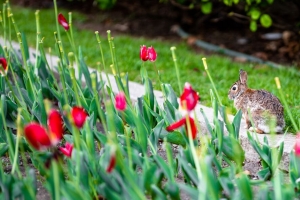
point(223, 70)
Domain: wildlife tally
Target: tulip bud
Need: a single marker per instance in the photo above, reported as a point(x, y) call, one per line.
point(144, 53)
point(79, 116)
point(120, 101)
point(152, 55)
point(189, 97)
point(63, 22)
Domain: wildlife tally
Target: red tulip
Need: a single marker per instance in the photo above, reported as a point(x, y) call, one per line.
point(182, 122)
point(67, 150)
point(37, 136)
point(152, 55)
point(63, 22)
point(3, 63)
point(55, 125)
point(112, 163)
point(120, 101)
point(79, 116)
point(297, 145)
point(144, 53)
point(189, 96)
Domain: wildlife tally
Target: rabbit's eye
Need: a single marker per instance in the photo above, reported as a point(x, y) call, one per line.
point(234, 88)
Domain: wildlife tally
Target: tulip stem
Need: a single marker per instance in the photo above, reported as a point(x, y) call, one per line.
point(19, 128)
point(211, 80)
point(4, 22)
point(37, 18)
point(112, 51)
point(176, 68)
point(102, 57)
point(25, 65)
point(193, 149)
point(286, 106)
point(56, 180)
point(56, 15)
point(96, 95)
point(8, 137)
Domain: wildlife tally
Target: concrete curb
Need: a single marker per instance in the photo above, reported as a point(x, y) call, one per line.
point(137, 90)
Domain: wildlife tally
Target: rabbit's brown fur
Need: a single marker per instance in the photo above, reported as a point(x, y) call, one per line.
point(257, 104)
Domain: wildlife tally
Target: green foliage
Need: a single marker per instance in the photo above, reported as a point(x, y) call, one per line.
point(254, 9)
point(224, 69)
point(210, 168)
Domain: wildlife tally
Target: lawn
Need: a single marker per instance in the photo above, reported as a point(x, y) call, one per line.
point(223, 70)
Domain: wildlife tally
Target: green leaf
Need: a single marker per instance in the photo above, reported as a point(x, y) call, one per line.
point(244, 187)
point(176, 137)
point(133, 143)
point(25, 45)
point(157, 193)
point(265, 174)
point(266, 20)
point(170, 95)
point(100, 137)
point(206, 7)
point(191, 191)
point(264, 154)
point(164, 166)
point(237, 122)
point(254, 13)
point(84, 69)
point(189, 172)
point(233, 150)
point(3, 148)
point(152, 176)
point(172, 189)
point(253, 26)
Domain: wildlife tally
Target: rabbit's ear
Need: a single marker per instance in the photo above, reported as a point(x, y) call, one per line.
point(243, 76)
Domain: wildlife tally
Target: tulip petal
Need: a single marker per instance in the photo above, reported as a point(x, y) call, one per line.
point(63, 22)
point(3, 63)
point(112, 163)
point(152, 55)
point(189, 96)
point(55, 125)
point(193, 127)
point(176, 125)
point(297, 145)
point(67, 150)
point(144, 53)
point(79, 116)
point(37, 136)
point(120, 101)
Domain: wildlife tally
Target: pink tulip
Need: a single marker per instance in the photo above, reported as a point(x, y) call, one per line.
point(67, 150)
point(152, 55)
point(79, 116)
point(120, 101)
point(297, 145)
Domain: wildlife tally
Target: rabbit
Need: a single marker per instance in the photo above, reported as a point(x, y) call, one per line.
point(257, 105)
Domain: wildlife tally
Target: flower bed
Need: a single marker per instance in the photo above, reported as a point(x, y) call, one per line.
point(143, 150)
